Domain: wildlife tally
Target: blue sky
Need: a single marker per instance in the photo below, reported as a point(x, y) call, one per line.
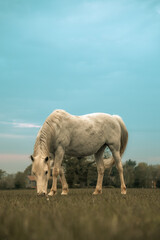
point(83, 57)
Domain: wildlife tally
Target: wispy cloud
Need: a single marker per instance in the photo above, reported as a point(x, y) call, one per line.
point(26, 125)
point(14, 136)
point(20, 124)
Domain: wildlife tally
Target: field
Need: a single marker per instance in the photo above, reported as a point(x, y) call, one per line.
point(80, 215)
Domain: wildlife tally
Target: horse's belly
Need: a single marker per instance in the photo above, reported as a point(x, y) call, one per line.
point(84, 146)
point(79, 152)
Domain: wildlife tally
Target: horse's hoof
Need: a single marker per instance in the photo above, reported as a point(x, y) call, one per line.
point(94, 193)
point(64, 193)
point(97, 192)
point(52, 193)
point(123, 191)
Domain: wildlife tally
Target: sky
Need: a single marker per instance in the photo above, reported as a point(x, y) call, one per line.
point(83, 57)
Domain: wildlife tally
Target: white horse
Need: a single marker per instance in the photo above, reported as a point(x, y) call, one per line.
point(79, 136)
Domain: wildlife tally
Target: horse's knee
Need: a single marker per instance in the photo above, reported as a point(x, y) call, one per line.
point(55, 171)
point(101, 170)
point(61, 172)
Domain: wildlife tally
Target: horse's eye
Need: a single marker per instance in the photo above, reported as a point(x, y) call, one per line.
point(46, 172)
point(34, 173)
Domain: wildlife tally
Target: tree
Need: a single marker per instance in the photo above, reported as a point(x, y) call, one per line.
point(20, 180)
point(70, 166)
point(158, 176)
point(141, 175)
point(129, 172)
point(92, 175)
point(114, 177)
point(82, 171)
point(2, 174)
point(76, 170)
point(27, 171)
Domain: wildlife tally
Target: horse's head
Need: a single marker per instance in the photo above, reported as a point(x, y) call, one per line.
point(41, 171)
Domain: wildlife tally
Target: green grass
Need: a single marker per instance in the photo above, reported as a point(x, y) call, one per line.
point(80, 215)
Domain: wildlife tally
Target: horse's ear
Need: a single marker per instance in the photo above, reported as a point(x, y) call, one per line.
point(46, 159)
point(31, 157)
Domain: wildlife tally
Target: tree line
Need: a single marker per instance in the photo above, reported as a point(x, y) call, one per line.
point(83, 173)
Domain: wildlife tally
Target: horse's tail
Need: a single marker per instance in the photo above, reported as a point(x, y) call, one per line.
point(124, 134)
point(108, 163)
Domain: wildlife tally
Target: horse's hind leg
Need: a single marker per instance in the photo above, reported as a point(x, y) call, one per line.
point(64, 182)
point(117, 158)
point(100, 169)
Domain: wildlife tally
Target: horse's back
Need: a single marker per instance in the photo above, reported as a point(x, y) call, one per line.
point(84, 126)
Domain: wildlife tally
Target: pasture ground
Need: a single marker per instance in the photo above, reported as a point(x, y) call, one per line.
point(24, 216)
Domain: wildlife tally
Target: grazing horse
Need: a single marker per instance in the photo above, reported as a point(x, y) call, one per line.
point(79, 136)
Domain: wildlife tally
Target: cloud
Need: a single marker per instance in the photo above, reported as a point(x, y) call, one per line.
point(21, 125)
point(26, 125)
point(14, 136)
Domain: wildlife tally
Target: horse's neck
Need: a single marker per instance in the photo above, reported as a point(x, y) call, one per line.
point(43, 141)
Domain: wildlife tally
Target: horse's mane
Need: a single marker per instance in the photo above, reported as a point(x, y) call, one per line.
point(52, 125)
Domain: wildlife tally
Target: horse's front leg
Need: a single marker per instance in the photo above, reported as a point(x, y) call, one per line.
point(56, 169)
point(64, 182)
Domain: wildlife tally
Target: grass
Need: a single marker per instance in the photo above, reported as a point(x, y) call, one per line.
point(80, 215)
